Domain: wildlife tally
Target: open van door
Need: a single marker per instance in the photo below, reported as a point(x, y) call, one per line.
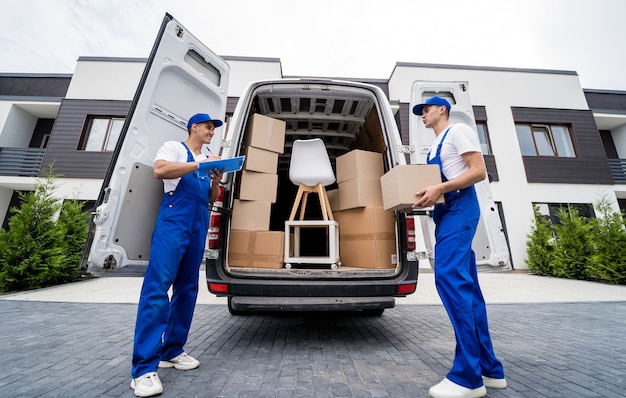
point(182, 77)
point(490, 245)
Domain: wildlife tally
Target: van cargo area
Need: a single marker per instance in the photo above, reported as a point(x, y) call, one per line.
point(347, 120)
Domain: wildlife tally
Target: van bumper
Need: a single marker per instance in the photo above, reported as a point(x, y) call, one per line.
point(255, 303)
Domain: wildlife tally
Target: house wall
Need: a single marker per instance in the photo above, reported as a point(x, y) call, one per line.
point(17, 128)
point(106, 78)
point(499, 91)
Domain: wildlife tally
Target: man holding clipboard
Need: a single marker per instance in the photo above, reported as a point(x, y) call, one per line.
point(176, 252)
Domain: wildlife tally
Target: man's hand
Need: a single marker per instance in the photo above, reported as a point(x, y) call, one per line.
point(429, 195)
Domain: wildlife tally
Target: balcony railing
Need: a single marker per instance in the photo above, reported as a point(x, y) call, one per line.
point(23, 162)
point(618, 169)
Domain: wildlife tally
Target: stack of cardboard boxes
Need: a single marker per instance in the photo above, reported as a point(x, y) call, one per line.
point(367, 236)
point(252, 244)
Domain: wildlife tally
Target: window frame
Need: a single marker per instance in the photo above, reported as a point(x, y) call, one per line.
point(547, 128)
point(87, 132)
point(485, 134)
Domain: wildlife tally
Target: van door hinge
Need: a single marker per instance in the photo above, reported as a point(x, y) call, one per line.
point(406, 149)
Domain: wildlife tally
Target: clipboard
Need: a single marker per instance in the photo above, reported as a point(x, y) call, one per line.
point(230, 164)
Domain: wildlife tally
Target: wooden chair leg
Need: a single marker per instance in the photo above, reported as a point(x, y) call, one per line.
point(320, 193)
point(304, 201)
point(329, 211)
point(296, 202)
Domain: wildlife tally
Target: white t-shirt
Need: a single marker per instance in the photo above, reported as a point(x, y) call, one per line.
point(174, 151)
point(460, 139)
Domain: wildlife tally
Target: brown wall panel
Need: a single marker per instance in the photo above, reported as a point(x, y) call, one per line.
point(589, 167)
point(62, 148)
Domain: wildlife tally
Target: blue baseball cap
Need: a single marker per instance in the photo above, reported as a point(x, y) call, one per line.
point(201, 118)
point(417, 109)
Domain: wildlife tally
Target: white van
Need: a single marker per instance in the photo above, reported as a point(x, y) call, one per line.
point(183, 77)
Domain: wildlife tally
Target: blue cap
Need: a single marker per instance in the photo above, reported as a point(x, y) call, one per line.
point(417, 109)
point(201, 118)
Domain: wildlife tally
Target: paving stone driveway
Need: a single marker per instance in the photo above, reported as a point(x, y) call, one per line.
point(84, 350)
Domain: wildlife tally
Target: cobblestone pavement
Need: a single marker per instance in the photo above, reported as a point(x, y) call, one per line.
point(56, 349)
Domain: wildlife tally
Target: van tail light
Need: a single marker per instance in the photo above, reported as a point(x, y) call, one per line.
point(409, 222)
point(215, 222)
point(216, 288)
point(407, 288)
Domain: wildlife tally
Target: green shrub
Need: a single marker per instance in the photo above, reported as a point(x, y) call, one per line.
point(609, 239)
point(73, 222)
point(45, 239)
point(573, 245)
point(539, 248)
point(33, 254)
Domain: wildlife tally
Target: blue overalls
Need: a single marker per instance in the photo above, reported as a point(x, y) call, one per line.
point(456, 280)
point(176, 253)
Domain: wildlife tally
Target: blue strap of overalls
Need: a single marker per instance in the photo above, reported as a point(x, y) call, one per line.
point(437, 158)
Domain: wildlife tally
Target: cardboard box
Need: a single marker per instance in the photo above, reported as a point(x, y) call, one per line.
point(359, 192)
point(367, 237)
point(256, 249)
point(260, 160)
point(400, 184)
point(257, 186)
point(333, 199)
point(251, 215)
point(359, 163)
point(265, 133)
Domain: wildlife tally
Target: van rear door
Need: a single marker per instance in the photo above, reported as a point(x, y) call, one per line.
point(489, 243)
point(182, 77)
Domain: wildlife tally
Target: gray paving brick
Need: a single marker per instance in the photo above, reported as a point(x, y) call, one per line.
point(83, 350)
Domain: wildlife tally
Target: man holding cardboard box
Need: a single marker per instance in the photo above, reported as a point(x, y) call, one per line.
point(176, 253)
point(456, 150)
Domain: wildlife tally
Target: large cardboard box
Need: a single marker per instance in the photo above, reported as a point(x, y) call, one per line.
point(359, 192)
point(359, 163)
point(257, 186)
point(333, 199)
point(252, 215)
point(260, 160)
point(367, 237)
point(265, 133)
point(400, 184)
point(257, 249)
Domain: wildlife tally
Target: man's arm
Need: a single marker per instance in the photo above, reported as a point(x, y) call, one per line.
point(166, 170)
point(476, 172)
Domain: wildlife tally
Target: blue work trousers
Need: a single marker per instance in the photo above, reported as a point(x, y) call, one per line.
point(176, 252)
point(456, 280)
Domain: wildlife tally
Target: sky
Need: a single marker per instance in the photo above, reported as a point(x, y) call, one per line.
point(330, 38)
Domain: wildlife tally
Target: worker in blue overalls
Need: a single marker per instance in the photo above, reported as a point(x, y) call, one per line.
point(456, 149)
point(176, 252)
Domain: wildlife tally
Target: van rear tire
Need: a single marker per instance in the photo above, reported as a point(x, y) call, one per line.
point(374, 312)
point(232, 310)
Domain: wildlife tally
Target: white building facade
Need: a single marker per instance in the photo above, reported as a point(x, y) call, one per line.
point(526, 118)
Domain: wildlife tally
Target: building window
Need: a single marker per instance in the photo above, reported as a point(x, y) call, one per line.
point(101, 133)
point(551, 210)
point(483, 136)
point(545, 140)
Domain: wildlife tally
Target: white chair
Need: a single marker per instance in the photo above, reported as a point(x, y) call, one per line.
point(311, 170)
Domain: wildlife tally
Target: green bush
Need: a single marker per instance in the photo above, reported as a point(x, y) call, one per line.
point(573, 248)
point(74, 223)
point(609, 260)
point(539, 248)
point(579, 247)
point(44, 240)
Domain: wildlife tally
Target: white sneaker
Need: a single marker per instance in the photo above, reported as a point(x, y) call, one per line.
point(449, 389)
point(181, 362)
point(490, 382)
point(147, 385)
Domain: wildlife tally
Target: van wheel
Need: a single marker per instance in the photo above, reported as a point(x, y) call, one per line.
point(232, 310)
point(374, 312)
